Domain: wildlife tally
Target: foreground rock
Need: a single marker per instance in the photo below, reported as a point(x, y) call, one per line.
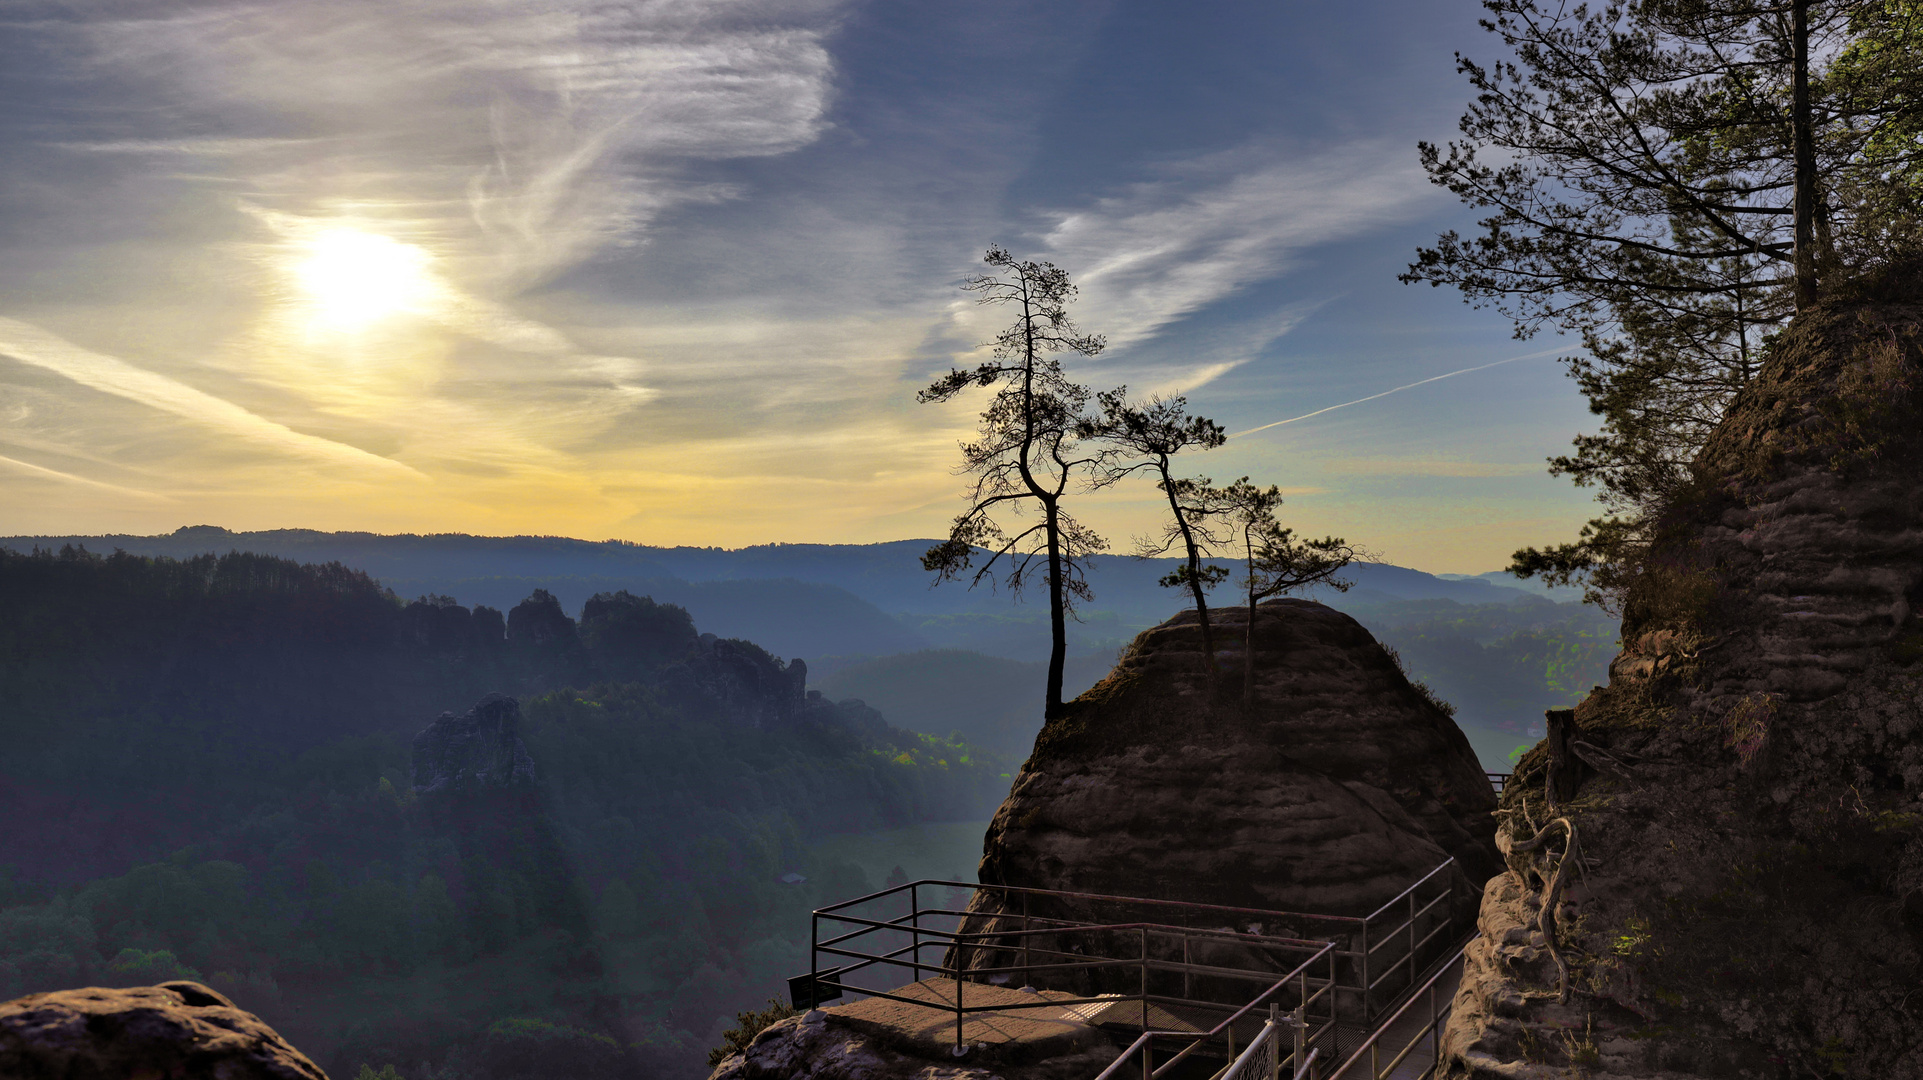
point(172, 1031)
point(1339, 787)
point(814, 1047)
point(1747, 793)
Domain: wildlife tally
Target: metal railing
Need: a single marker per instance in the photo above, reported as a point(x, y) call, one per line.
point(1361, 964)
point(1301, 1020)
point(1430, 996)
point(1498, 780)
point(1263, 1059)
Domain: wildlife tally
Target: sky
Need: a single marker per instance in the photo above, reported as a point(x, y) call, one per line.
point(672, 272)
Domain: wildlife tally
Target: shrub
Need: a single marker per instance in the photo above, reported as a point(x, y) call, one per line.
point(133, 967)
point(747, 1026)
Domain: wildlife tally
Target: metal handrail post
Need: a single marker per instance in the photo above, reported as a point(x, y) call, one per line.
point(959, 983)
point(1435, 1031)
point(1366, 1010)
point(1185, 968)
point(914, 912)
point(1335, 1002)
point(1412, 939)
point(1027, 976)
point(1300, 1057)
point(1144, 936)
point(1275, 1021)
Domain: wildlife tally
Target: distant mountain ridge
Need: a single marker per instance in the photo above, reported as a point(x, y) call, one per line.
point(886, 575)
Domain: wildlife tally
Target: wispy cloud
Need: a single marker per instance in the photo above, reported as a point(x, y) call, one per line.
point(532, 134)
point(1164, 249)
point(31, 345)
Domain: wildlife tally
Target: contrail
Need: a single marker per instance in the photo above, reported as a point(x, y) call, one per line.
point(40, 470)
point(110, 375)
point(1397, 390)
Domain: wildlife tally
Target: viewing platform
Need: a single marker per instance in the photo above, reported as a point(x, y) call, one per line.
point(1163, 989)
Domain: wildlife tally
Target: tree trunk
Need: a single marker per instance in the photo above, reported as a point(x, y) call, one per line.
point(1057, 618)
point(1195, 571)
point(1803, 139)
point(1248, 656)
point(1565, 772)
point(1208, 637)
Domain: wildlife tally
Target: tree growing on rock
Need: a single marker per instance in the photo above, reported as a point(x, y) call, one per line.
point(1275, 563)
point(1028, 454)
point(1671, 180)
point(1146, 437)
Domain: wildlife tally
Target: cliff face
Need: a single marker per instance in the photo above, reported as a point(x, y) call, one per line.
point(1341, 786)
point(1745, 793)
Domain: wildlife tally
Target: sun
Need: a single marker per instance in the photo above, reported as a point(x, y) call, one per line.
point(352, 278)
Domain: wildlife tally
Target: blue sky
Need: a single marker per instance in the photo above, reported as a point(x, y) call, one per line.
point(672, 272)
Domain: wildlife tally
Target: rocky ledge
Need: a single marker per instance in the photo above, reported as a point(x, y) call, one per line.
point(172, 1031)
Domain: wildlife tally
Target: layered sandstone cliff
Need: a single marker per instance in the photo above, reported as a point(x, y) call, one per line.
point(1746, 795)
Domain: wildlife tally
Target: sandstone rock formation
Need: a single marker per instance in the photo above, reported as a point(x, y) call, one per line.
point(742, 679)
point(1746, 794)
point(1337, 789)
point(1341, 786)
point(173, 1031)
point(812, 1047)
point(479, 748)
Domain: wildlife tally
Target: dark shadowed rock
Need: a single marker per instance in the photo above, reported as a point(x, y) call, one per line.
point(1748, 794)
point(813, 1047)
point(544, 646)
point(481, 748)
point(174, 1031)
point(1338, 789)
point(742, 679)
point(630, 637)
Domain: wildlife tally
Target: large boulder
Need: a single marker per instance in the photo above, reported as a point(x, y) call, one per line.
point(174, 1031)
point(1337, 786)
point(1747, 792)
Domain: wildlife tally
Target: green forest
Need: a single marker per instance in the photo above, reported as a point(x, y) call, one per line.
point(210, 777)
point(211, 770)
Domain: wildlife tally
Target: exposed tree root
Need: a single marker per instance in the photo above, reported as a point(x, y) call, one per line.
point(1552, 892)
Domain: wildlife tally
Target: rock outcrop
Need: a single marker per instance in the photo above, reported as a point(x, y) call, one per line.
point(1746, 795)
point(1337, 789)
point(168, 1032)
point(812, 1047)
point(741, 680)
point(481, 748)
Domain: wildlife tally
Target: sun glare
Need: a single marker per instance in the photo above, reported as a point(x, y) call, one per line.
point(353, 278)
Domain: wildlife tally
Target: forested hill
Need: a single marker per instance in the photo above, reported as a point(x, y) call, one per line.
point(208, 766)
point(872, 624)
